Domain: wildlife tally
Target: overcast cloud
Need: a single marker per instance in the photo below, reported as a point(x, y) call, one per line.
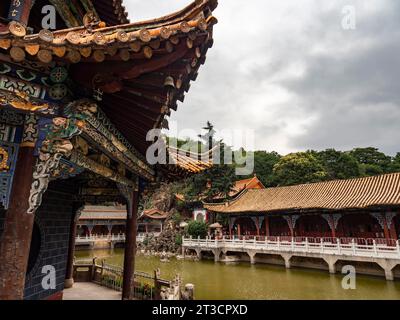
point(288, 70)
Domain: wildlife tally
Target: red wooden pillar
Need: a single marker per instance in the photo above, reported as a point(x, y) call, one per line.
point(333, 231)
point(393, 233)
point(267, 230)
point(238, 229)
point(332, 226)
point(69, 274)
point(301, 229)
point(385, 228)
point(15, 241)
point(130, 247)
point(290, 225)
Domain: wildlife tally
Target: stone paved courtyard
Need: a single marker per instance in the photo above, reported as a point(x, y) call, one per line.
point(90, 291)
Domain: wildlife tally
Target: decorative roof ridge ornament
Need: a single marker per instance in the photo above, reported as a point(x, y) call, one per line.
point(91, 21)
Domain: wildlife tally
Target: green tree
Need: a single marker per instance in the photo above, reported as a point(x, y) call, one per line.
point(197, 229)
point(339, 165)
point(178, 240)
point(298, 168)
point(222, 219)
point(264, 163)
point(218, 180)
point(395, 165)
point(372, 161)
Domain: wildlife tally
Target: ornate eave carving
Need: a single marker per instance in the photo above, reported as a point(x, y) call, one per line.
point(291, 220)
point(54, 147)
point(101, 133)
point(80, 160)
point(332, 219)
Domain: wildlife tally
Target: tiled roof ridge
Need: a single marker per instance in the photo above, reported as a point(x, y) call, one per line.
point(339, 200)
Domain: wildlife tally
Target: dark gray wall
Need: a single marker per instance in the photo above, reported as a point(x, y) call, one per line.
point(53, 219)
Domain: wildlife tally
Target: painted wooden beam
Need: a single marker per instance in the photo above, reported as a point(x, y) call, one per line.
point(20, 11)
point(80, 160)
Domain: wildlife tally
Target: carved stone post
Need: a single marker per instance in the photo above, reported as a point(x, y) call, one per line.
point(157, 286)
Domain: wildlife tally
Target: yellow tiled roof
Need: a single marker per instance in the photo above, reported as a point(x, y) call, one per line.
point(358, 193)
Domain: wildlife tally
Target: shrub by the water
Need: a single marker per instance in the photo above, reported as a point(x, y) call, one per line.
point(178, 240)
point(197, 229)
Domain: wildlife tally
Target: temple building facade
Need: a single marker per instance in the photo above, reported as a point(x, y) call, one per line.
point(363, 208)
point(152, 221)
point(76, 105)
point(102, 220)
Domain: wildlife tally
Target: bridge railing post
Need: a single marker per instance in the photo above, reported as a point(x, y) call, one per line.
point(322, 245)
point(375, 248)
point(279, 243)
point(339, 248)
point(255, 243)
point(306, 244)
point(353, 246)
point(398, 247)
point(292, 244)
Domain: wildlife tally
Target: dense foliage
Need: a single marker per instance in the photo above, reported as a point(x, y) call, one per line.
point(298, 168)
point(302, 167)
point(275, 170)
point(330, 164)
point(197, 229)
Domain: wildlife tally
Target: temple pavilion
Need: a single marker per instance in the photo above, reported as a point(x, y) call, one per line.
point(362, 208)
point(76, 104)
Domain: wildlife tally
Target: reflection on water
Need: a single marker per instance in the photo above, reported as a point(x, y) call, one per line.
point(244, 281)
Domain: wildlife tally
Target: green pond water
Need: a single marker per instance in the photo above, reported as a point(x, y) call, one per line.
point(244, 281)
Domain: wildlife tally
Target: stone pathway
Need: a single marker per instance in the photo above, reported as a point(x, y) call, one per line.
point(90, 291)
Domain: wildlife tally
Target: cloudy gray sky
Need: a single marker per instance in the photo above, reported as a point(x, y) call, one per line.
point(289, 71)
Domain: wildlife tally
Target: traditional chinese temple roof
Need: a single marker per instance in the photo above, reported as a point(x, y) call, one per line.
point(141, 69)
point(361, 193)
point(118, 15)
point(103, 213)
point(251, 183)
point(188, 161)
point(154, 214)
